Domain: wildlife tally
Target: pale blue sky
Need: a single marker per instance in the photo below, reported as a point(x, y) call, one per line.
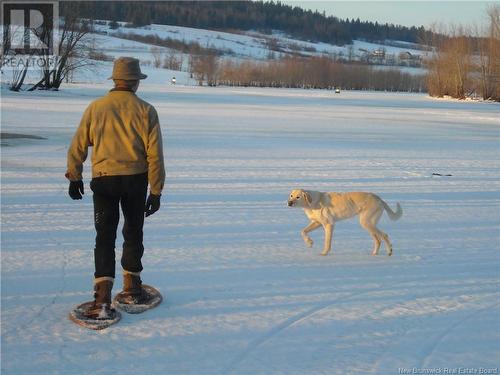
point(403, 12)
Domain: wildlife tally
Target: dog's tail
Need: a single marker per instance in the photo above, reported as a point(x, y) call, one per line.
point(393, 215)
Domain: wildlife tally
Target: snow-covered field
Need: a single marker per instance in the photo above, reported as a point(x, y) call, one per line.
point(243, 293)
point(250, 44)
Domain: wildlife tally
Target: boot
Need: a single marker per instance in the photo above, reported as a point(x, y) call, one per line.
point(101, 308)
point(133, 292)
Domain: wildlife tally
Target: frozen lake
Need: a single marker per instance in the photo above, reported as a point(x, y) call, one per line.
point(243, 293)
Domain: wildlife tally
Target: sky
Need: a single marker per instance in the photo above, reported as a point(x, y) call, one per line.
point(403, 12)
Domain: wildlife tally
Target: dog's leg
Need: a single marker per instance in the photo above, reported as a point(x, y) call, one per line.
point(376, 242)
point(388, 244)
point(368, 220)
point(328, 238)
point(375, 234)
point(381, 235)
point(312, 226)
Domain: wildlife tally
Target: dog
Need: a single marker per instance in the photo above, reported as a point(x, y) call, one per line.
point(325, 209)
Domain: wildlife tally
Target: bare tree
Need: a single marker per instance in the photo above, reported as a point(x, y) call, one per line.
point(464, 62)
point(205, 68)
point(173, 60)
point(73, 53)
point(157, 56)
point(19, 71)
point(19, 60)
point(486, 56)
point(350, 53)
point(492, 73)
point(317, 72)
point(459, 62)
point(435, 62)
point(196, 69)
point(484, 67)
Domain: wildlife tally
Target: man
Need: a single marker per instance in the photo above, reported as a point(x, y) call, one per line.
point(127, 153)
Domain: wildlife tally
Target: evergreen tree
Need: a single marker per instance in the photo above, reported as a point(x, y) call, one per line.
point(246, 15)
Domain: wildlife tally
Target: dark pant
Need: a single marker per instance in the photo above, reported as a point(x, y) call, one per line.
point(109, 193)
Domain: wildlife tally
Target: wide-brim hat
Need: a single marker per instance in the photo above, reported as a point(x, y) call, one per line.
point(127, 68)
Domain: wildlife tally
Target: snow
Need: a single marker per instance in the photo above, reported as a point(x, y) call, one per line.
point(243, 293)
point(100, 73)
point(238, 44)
point(236, 47)
point(117, 47)
point(251, 44)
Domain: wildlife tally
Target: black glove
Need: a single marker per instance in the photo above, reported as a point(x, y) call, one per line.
point(152, 204)
point(75, 189)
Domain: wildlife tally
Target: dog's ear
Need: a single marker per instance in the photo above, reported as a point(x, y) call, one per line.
point(307, 198)
point(312, 199)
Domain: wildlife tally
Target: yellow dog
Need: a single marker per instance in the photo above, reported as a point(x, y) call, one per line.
point(325, 209)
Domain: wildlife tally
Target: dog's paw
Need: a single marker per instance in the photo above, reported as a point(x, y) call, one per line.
point(324, 253)
point(309, 242)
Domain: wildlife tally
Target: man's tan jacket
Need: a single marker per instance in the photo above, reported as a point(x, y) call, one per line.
point(124, 132)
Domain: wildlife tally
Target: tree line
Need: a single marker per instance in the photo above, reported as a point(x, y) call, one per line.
point(298, 72)
point(246, 15)
point(464, 66)
point(462, 63)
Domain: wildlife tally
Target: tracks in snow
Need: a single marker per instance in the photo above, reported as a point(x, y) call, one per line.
point(276, 330)
point(424, 361)
point(428, 343)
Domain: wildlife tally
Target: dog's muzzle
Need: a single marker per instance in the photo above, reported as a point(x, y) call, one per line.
point(290, 203)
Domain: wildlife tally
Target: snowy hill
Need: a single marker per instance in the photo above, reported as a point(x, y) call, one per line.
point(252, 46)
point(256, 45)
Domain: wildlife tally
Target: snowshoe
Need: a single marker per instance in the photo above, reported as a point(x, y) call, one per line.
point(136, 303)
point(94, 316)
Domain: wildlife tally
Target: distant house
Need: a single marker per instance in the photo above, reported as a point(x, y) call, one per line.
point(379, 53)
point(377, 56)
point(406, 58)
point(380, 56)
